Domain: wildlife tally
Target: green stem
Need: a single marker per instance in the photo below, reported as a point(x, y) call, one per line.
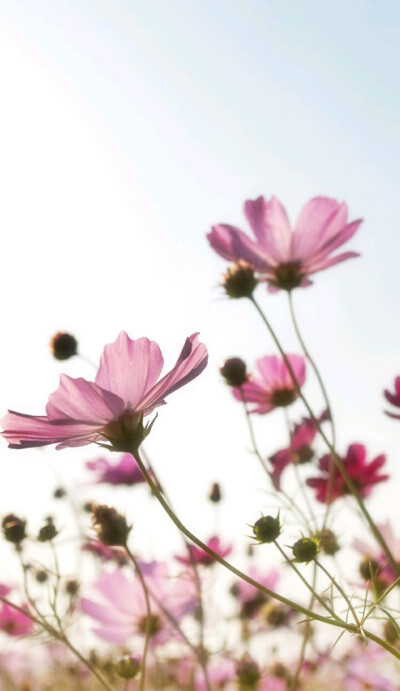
point(337, 460)
point(148, 612)
point(341, 591)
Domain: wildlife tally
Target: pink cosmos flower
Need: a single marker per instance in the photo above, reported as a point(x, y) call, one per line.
point(199, 556)
point(275, 387)
point(13, 622)
point(113, 406)
point(393, 398)
point(364, 475)
point(125, 472)
point(124, 614)
point(105, 553)
point(300, 450)
point(250, 598)
point(285, 258)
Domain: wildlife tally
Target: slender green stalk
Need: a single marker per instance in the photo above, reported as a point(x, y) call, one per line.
point(341, 591)
point(148, 619)
point(380, 600)
point(337, 460)
point(339, 623)
point(307, 633)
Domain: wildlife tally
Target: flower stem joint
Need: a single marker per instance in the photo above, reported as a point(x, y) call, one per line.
point(267, 529)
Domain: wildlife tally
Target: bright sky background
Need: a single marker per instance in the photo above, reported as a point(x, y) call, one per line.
point(127, 129)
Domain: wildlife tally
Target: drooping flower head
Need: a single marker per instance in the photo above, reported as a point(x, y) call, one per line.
point(110, 409)
point(275, 387)
point(286, 259)
point(364, 475)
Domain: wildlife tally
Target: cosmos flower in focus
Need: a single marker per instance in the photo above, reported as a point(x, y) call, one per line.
point(275, 387)
point(110, 409)
point(286, 259)
point(364, 475)
point(393, 398)
point(123, 614)
point(125, 472)
point(199, 556)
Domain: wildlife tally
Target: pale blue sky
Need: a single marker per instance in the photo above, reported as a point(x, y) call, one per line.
point(128, 128)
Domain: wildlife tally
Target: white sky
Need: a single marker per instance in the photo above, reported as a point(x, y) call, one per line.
point(127, 129)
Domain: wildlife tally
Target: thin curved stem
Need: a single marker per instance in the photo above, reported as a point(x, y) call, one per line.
point(148, 612)
point(337, 460)
point(341, 591)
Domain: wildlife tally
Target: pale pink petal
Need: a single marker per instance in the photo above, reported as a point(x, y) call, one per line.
point(270, 224)
point(82, 401)
point(313, 222)
point(129, 368)
point(122, 593)
point(232, 244)
point(269, 368)
point(118, 635)
point(104, 614)
point(27, 431)
point(191, 362)
point(329, 245)
point(313, 267)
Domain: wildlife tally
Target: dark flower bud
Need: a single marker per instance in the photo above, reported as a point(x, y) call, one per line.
point(239, 281)
point(304, 550)
point(368, 568)
point(47, 532)
point(248, 672)
point(234, 371)
point(215, 493)
point(110, 526)
point(14, 528)
point(327, 541)
point(88, 506)
point(63, 346)
point(72, 587)
point(267, 529)
point(276, 614)
point(41, 576)
point(127, 667)
point(59, 493)
point(391, 633)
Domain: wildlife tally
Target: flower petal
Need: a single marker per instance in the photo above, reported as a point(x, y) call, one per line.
point(270, 225)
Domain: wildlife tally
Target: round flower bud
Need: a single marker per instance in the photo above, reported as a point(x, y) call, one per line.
point(127, 667)
point(239, 281)
point(327, 541)
point(267, 529)
point(390, 632)
point(368, 568)
point(72, 587)
point(41, 576)
point(14, 528)
point(248, 672)
point(215, 493)
point(304, 550)
point(234, 371)
point(48, 531)
point(111, 527)
point(59, 493)
point(63, 346)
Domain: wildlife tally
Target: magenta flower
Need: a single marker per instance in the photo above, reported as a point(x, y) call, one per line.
point(13, 622)
point(124, 614)
point(275, 387)
point(199, 556)
point(364, 475)
point(125, 472)
point(285, 258)
point(300, 450)
point(113, 406)
point(393, 398)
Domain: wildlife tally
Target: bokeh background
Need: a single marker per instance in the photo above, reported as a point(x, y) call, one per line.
point(127, 129)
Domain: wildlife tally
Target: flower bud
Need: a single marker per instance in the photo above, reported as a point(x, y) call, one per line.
point(63, 346)
point(127, 667)
point(215, 493)
point(267, 529)
point(391, 634)
point(13, 528)
point(248, 672)
point(327, 541)
point(304, 550)
point(41, 576)
point(110, 526)
point(234, 371)
point(48, 531)
point(239, 281)
point(59, 493)
point(72, 587)
point(368, 568)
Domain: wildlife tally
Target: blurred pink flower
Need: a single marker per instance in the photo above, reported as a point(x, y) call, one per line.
point(105, 553)
point(364, 475)
point(199, 556)
point(13, 622)
point(275, 387)
point(285, 258)
point(300, 450)
point(125, 472)
point(385, 574)
point(250, 598)
point(124, 612)
point(113, 406)
point(393, 398)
